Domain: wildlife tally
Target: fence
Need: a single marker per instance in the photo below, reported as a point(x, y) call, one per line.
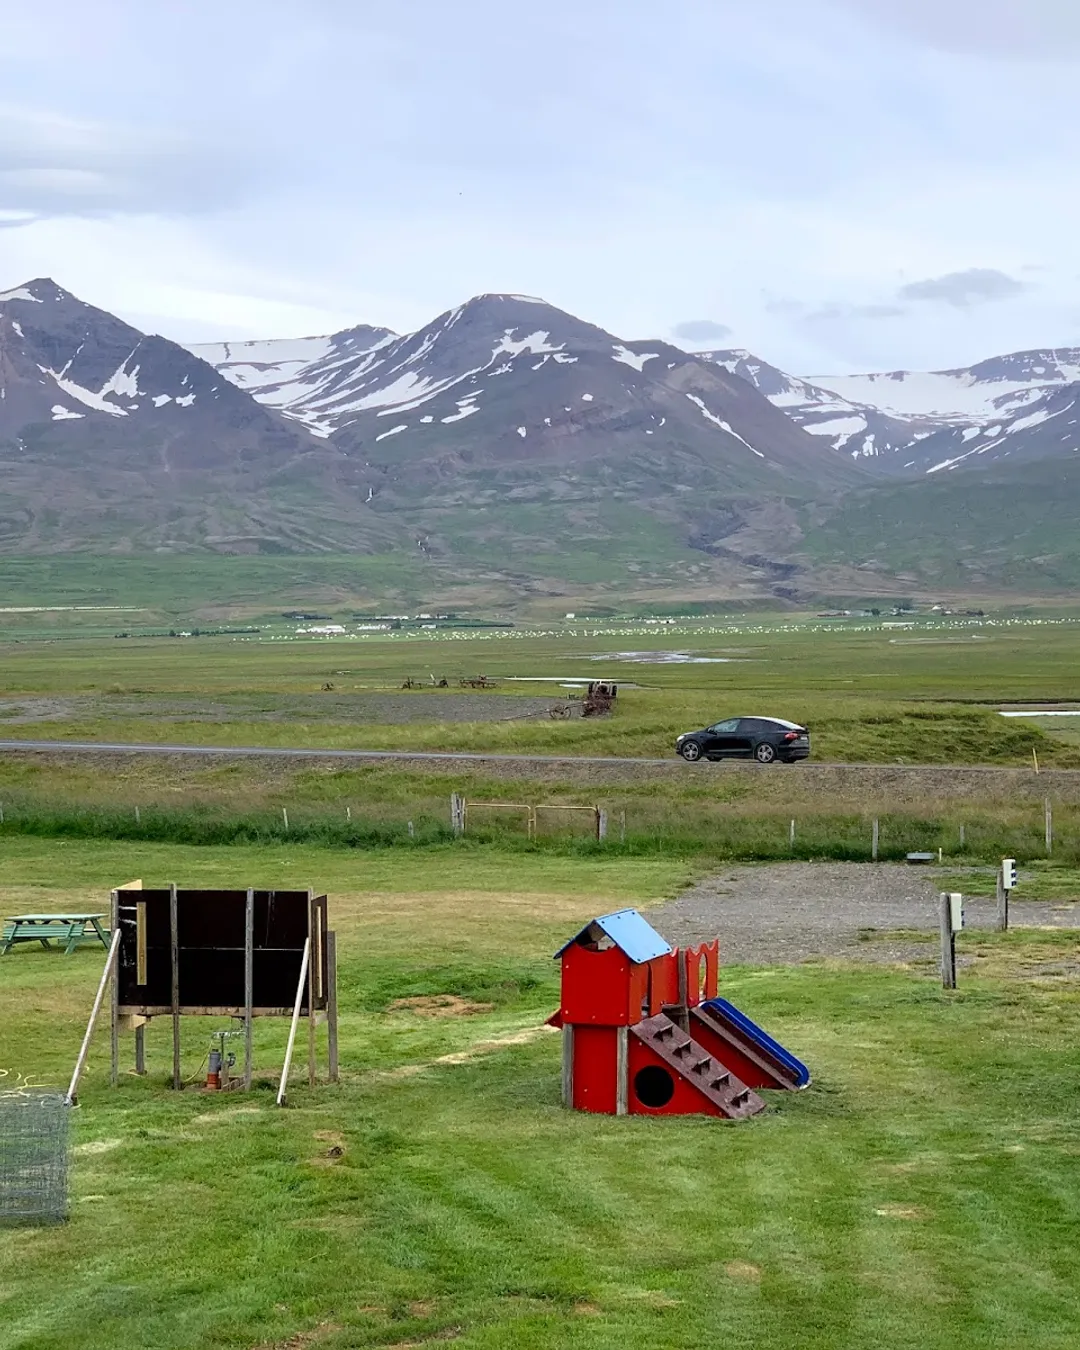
point(33, 1157)
point(460, 808)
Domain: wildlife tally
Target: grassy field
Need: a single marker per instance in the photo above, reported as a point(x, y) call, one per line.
point(923, 1193)
point(927, 694)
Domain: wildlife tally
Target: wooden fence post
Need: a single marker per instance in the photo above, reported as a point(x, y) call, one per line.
point(1002, 902)
point(601, 824)
point(948, 943)
point(791, 835)
point(622, 827)
point(1049, 816)
point(457, 814)
point(874, 838)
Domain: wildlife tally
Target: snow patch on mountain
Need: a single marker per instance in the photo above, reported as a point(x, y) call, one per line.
point(629, 358)
point(20, 293)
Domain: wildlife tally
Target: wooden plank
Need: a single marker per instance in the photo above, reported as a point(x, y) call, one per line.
point(331, 1003)
point(249, 985)
point(312, 965)
point(199, 1010)
point(140, 1048)
point(295, 1021)
point(622, 1060)
point(174, 950)
point(568, 1064)
point(114, 1029)
point(140, 941)
point(110, 965)
point(948, 943)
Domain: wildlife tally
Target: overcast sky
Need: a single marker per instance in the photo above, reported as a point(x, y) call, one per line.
point(835, 184)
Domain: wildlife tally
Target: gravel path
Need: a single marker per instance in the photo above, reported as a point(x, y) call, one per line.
point(784, 913)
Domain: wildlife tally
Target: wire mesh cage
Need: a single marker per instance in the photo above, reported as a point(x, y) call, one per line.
point(33, 1157)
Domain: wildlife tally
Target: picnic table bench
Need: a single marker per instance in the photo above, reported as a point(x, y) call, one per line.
point(70, 929)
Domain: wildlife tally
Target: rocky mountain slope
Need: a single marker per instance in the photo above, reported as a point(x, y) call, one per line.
point(1025, 405)
point(505, 438)
point(502, 370)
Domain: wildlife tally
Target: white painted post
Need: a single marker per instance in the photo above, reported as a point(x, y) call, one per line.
point(948, 942)
point(285, 817)
point(791, 835)
point(138, 818)
point(601, 824)
point(412, 830)
point(1049, 810)
point(348, 813)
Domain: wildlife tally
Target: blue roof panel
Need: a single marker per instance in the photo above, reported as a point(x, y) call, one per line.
point(630, 933)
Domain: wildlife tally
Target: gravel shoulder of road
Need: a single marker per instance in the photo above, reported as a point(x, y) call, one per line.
point(785, 913)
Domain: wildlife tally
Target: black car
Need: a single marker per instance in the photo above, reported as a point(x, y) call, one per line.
point(766, 739)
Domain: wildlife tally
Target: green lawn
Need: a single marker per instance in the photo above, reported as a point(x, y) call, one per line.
point(923, 1193)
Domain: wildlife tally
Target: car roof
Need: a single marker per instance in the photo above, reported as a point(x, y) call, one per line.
point(776, 721)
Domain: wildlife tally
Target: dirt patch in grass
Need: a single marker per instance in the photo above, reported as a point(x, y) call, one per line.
point(902, 1212)
point(743, 1270)
point(439, 1005)
point(302, 1339)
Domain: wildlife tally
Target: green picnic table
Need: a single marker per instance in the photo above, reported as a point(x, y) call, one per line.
point(70, 929)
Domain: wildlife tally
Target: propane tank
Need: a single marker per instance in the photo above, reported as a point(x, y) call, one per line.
point(213, 1072)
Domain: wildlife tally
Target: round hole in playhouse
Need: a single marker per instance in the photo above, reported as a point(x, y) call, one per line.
point(653, 1086)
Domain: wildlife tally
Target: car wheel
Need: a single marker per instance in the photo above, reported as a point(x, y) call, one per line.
point(764, 753)
point(691, 751)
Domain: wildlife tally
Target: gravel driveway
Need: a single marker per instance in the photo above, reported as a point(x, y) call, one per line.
point(784, 913)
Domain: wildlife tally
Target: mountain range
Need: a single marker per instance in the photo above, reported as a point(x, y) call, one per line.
point(507, 443)
point(1025, 404)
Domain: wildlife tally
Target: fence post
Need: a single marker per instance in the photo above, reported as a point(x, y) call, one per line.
point(622, 827)
point(601, 824)
point(457, 813)
point(285, 817)
point(791, 835)
point(1002, 902)
point(1049, 810)
point(874, 841)
point(412, 830)
point(962, 837)
point(948, 943)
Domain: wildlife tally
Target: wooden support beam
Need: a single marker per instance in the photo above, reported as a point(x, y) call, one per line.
point(313, 966)
point(331, 1004)
point(114, 1028)
point(174, 951)
point(110, 964)
point(295, 1022)
point(249, 985)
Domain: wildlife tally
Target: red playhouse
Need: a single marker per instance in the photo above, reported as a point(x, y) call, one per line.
point(644, 1032)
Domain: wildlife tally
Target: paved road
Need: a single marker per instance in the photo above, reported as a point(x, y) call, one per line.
point(305, 752)
point(293, 752)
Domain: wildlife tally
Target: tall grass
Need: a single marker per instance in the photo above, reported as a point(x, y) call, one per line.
point(664, 830)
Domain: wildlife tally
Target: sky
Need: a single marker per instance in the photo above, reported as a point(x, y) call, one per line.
point(837, 185)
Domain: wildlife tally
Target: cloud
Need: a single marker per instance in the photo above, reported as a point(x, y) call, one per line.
point(976, 286)
point(701, 330)
point(843, 313)
point(53, 165)
point(1011, 29)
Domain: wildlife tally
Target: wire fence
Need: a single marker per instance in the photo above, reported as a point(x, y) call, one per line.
point(33, 1154)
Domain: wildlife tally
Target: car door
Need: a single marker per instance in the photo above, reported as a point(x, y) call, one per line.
point(720, 738)
point(743, 738)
